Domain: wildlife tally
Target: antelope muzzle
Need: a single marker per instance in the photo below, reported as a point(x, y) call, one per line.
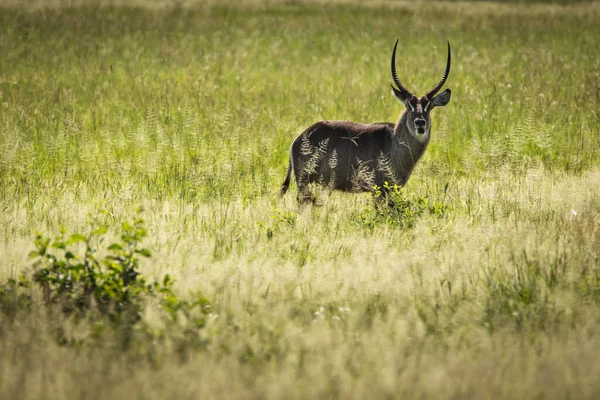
point(420, 125)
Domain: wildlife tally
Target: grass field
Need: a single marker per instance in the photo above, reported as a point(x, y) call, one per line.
point(189, 111)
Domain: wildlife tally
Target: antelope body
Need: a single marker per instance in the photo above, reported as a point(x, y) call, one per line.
point(350, 156)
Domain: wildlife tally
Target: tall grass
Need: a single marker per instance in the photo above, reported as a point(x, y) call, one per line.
point(190, 111)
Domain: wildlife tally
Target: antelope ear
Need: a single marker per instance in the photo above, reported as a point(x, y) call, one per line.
point(399, 95)
point(441, 99)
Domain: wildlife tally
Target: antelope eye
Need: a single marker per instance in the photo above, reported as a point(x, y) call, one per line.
point(413, 102)
point(425, 104)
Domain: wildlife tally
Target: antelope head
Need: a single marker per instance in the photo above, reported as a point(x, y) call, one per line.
point(418, 109)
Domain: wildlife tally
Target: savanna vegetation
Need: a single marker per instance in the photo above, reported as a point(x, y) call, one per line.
point(145, 253)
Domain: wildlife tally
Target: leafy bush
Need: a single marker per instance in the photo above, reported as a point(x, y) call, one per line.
point(13, 298)
point(84, 287)
point(113, 286)
point(393, 207)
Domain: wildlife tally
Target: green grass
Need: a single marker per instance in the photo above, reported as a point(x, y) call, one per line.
point(190, 111)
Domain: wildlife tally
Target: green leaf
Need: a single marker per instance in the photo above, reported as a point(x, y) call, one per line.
point(58, 245)
point(70, 255)
point(33, 254)
point(99, 231)
point(115, 246)
point(143, 252)
point(78, 267)
point(115, 267)
point(76, 237)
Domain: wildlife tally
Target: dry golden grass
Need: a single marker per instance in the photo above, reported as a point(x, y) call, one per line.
point(189, 113)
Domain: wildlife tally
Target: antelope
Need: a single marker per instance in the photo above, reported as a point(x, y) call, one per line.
point(355, 157)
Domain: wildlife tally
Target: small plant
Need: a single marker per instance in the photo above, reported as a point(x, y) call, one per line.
point(13, 298)
point(113, 285)
point(279, 218)
point(110, 289)
point(394, 208)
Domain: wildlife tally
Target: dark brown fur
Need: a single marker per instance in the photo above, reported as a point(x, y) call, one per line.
point(350, 156)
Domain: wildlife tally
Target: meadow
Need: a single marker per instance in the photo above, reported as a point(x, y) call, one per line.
point(486, 285)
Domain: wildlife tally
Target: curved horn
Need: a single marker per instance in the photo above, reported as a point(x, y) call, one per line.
point(444, 77)
point(395, 76)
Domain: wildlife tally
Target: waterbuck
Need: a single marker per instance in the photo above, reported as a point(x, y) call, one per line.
point(350, 156)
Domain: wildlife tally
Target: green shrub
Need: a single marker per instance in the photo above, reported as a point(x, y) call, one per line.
point(14, 298)
point(113, 285)
point(106, 292)
point(394, 208)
